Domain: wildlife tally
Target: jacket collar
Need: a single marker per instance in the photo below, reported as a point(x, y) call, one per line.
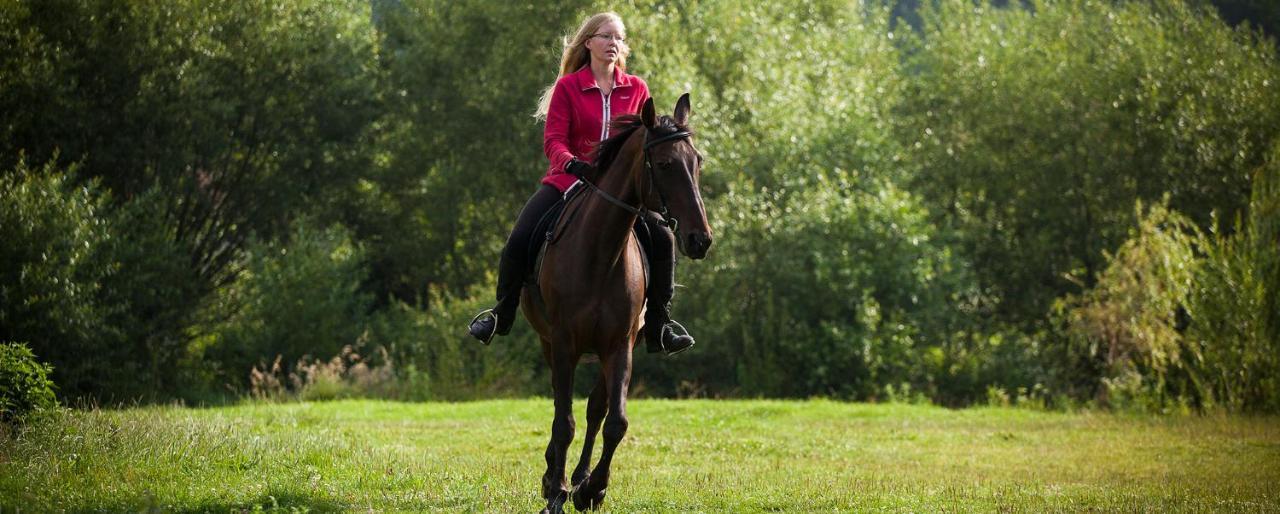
point(586, 80)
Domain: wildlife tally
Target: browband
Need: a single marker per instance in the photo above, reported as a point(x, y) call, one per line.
point(674, 135)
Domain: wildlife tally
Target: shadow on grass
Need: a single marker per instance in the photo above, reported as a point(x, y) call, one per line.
point(271, 501)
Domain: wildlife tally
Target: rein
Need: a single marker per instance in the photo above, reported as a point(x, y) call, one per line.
point(662, 217)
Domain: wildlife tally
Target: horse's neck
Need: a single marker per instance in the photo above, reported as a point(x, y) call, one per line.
point(613, 222)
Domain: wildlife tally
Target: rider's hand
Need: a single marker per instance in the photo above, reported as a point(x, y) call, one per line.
point(577, 168)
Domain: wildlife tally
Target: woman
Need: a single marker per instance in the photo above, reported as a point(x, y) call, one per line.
point(593, 88)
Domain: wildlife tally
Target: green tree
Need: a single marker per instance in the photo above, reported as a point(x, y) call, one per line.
point(243, 113)
point(458, 149)
point(1034, 129)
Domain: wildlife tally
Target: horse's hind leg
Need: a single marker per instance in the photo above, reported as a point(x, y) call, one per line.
point(562, 426)
point(597, 406)
point(617, 374)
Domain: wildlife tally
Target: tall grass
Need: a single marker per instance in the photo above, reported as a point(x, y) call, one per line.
point(679, 456)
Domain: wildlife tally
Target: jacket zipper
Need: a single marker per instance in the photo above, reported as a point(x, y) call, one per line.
point(604, 123)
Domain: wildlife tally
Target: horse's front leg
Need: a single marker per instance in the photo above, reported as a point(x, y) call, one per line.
point(553, 486)
point(617, 374)
point(597, 406)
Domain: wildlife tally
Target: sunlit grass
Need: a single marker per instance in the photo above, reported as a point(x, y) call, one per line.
point(709, 456)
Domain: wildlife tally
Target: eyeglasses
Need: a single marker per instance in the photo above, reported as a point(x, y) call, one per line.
point(608, 37)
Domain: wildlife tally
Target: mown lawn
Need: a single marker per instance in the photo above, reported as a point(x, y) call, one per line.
point(679, 456)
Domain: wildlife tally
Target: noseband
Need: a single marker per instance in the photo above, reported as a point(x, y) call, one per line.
point(662, 217)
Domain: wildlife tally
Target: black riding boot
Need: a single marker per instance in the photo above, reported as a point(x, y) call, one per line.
point(512, 267)
point(498, 320)
point(660, 333)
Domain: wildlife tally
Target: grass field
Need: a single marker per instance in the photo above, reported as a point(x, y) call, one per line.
point(679, 456)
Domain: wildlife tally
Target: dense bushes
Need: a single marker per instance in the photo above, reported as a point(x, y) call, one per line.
point(1234, 306)
point(52, 268)
point(897, 213)
point(1127, 329)
point(861, 293)
point(295, 297)
point(1184, 318)
point(81, 279)
point(1034, 131)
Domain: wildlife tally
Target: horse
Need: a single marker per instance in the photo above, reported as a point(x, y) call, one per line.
point(590, 292)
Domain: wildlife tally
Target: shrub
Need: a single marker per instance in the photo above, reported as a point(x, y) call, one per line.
point(298, 296)
point(83, 278)
point(441, 360)
point(1179, 318)
point(849, 291)
point(51, 269)
point(1128, 327)
point(1235, 305)
point(24, 383)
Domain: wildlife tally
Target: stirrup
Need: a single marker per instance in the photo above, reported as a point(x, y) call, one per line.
point(488, 337)
point(677, 328)
point(679, 331)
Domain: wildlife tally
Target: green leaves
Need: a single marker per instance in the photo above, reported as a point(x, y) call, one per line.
point(24, 383)
point(890, 207)
point(295, 297)
point(1035, 130)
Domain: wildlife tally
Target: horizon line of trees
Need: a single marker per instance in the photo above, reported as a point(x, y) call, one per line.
point(1054, 202)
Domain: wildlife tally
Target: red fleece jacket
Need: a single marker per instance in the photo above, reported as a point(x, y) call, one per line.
point(578, 118)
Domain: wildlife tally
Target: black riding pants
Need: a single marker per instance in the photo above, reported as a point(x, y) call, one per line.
point(515, 255)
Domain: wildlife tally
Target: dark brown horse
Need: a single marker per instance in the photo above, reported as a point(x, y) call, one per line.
point(592, 283)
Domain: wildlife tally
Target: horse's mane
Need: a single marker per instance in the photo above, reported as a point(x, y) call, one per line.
point(622, 127)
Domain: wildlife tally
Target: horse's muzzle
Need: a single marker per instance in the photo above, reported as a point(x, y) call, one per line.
point(695, 244)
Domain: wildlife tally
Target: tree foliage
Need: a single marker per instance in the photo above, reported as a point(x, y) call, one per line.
point(243, 113)
point(1034, 130)
point(296, 297)
point(898, 209)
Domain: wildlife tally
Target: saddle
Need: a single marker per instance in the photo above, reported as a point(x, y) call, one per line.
point(549, 229)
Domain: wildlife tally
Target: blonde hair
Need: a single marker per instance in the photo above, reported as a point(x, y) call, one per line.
point(576, 55)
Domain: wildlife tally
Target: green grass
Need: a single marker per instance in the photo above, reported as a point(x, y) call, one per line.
point(709, 456)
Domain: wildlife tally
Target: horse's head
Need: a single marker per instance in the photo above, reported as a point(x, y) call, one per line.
point(674, 169)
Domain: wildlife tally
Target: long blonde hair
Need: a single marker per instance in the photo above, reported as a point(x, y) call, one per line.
point(575, 55)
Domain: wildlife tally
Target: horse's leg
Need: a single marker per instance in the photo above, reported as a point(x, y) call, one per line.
point(553, 486)
point(597, 406)
point(617, 375)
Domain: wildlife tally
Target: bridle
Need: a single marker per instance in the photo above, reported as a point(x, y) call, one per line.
point(662, 217)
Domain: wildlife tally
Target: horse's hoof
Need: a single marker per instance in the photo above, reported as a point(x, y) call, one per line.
point(583, 502)
point(556, 505)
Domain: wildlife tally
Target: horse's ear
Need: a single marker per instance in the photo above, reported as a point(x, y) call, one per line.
point(648, 115)
point(682, 110)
